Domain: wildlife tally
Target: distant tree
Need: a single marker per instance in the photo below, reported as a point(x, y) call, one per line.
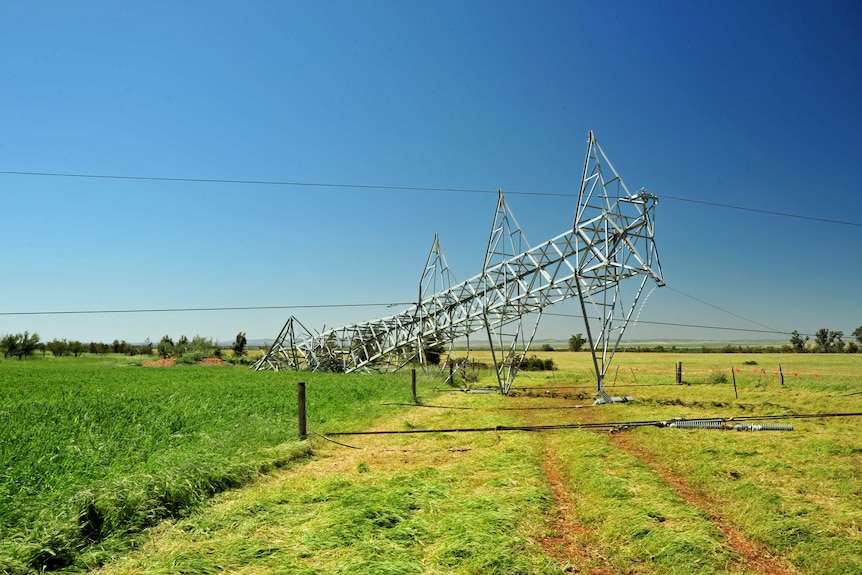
point(182, 346)
point(576, 342)
point(77, 348)
point(857, 333)
point(166, 347)
point(9, 345)
point(145, 348)
point(828, 341)
point(239, 344)
point(58, 347)
point(852, 347)
point(19, 345)
point(821, 340)
point(836, 341)
point(29, 344)
point(202, 344)
point(547, 347)
point(797, 343)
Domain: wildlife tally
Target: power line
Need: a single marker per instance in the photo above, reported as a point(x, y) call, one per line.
point(291, 183)
point(331, 306)
point(190, 309)
point(723, 310)
point(598, 425)
point(760, 211)
point(277, 183)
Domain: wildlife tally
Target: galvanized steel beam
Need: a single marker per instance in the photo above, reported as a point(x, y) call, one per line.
point(610, 246)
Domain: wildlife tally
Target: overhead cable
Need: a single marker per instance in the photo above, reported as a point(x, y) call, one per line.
point(332, 306)
point(405, 188)
point(188, 309)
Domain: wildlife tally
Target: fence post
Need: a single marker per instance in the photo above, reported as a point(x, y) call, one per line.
point(300, 407)
point(733, 373)
point(413, 383)
point(781, 375)
point(678, 372)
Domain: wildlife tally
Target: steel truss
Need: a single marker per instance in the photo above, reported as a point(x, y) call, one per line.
point(605, 262)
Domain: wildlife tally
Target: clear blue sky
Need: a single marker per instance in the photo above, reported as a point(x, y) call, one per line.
point(749, 104)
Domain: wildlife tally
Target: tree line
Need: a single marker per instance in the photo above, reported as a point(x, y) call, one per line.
point(22, 345)
point(825, 341)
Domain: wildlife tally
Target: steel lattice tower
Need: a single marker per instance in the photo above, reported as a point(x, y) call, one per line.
point(605, 261)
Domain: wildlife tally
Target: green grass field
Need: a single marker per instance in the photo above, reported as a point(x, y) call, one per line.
point(93, 449)
point(196, 469)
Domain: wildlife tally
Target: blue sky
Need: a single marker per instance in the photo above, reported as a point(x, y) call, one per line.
point(748, 104)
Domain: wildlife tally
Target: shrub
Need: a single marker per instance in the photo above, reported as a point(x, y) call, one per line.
point(191, 358)
point(534, 363)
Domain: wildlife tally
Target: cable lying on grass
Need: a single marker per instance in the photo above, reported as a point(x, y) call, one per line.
point(701, 423)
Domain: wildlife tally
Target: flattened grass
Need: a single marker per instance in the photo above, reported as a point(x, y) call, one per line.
point(795, 493)
point(437, 503)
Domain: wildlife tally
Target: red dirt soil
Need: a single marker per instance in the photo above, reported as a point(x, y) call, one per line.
point(160, 363)
point(171, 360)
point(566, 545)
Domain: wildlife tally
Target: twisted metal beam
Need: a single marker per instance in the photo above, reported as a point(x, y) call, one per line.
point(612, 240)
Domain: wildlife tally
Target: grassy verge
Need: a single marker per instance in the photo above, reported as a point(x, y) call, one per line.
point(93, 451)
point(438, 503)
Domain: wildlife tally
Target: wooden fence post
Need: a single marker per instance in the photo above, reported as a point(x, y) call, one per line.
point(413, 382)
point(679, 372)
point(300, 407)
point(733, 373)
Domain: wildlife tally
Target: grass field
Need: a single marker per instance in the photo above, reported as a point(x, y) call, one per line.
point(85, 443)
point(93, 449)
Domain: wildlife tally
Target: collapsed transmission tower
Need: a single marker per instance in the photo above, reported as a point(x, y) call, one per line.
point(605, 262)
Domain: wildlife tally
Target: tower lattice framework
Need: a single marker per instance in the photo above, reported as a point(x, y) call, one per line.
point(604, 262)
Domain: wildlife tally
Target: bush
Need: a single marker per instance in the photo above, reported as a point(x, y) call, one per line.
point(191, 358)
point(534, 363)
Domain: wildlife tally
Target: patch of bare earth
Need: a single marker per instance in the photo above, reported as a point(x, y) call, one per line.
point(172, 360)
point(566, 545)
point(160, 362)
point(754, 557)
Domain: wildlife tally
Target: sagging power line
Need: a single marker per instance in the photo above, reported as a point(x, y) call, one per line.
point(361, 186)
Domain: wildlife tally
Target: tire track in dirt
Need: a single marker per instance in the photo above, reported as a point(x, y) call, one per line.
point(566, 545)
point(754, 557)
point(569, 543)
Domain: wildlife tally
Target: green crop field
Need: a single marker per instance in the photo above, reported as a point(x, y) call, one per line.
point(196, 469)
point(93, 449)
